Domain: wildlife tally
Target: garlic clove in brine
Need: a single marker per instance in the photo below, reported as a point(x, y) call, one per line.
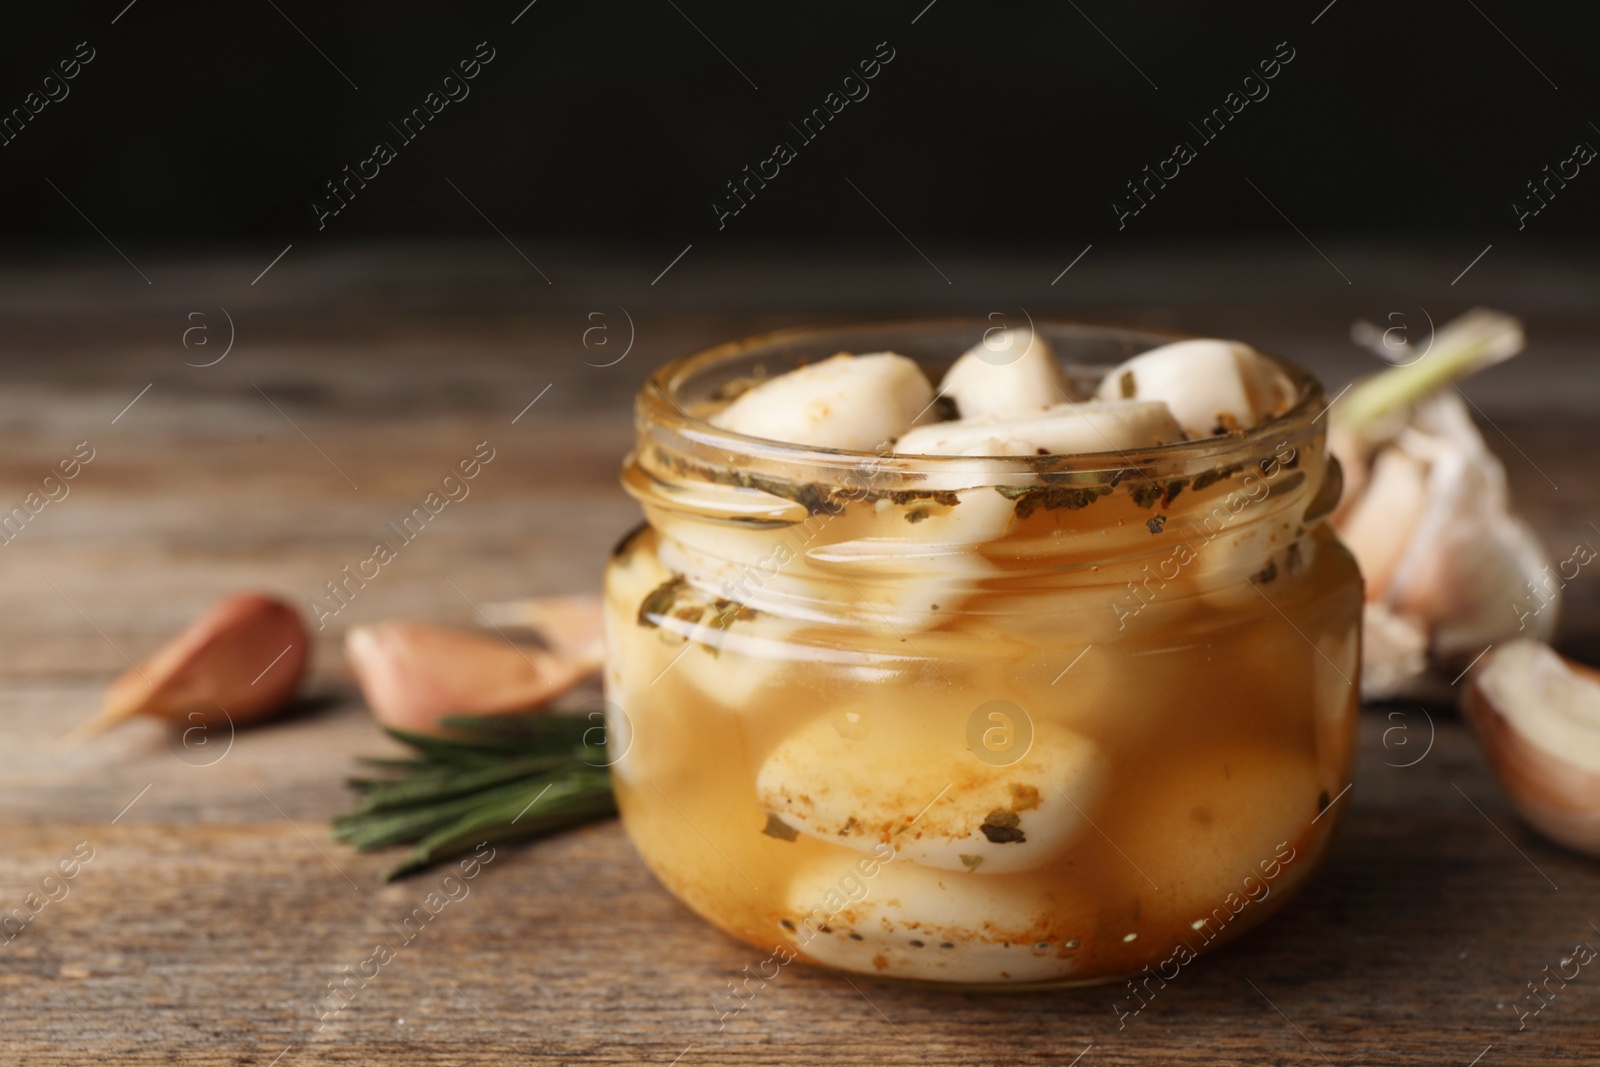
point(941, 542)
point(1537, 717)
point(1010, 372)
point(882, 914)
point(863, 776)
point(847, 402)
point(1062, 429)
point(1211, 386)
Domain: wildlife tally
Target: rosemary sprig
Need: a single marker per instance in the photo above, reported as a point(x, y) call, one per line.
point(501, 778)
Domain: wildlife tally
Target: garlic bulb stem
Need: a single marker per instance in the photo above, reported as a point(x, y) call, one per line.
point(1477, 340)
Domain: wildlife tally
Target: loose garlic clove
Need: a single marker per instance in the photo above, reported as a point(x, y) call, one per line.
point(571, 626)
point(1063, 429)
point(1394, 654)
point(864, 776)
point(1211, 386)
point(413, 675)
point(847, 402)
point(1537, 717)
point(886, 916)
point(1009, 373)
point(1378, 527)
point(238, 663)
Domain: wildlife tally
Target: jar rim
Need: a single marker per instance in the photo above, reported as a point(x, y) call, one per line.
point(660, 405)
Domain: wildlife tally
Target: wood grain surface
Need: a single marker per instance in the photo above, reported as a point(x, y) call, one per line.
point(216, 909)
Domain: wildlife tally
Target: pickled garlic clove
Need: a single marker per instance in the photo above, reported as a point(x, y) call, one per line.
point(711, 625)
point(1211, 386)
point(653, 747)
point(1062, 429)
point(922, 563)
point(876, 916)
point(858, 778)
point(1537, 717)
point(845, 401)
point(1008, 373)
point(1215, 819)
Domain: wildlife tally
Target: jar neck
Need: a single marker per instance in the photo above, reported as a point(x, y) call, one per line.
point(751, 519)
point(758, 539)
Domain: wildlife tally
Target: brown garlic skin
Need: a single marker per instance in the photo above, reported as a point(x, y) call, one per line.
point(414, 675)
point(238, 663)
point(1558, 797)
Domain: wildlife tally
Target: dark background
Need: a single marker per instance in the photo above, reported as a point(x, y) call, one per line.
point(1013, 125)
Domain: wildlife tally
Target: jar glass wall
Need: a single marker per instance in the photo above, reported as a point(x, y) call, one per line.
point(977, 721)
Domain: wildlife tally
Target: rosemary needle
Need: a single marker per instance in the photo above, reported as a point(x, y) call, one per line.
point(499, 778)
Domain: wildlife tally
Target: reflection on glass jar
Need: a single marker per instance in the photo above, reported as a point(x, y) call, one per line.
point(987, 721)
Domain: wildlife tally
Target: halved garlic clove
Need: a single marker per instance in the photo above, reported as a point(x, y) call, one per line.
point(1062, 429)
point(1537, 717)
point(1211, 386)
point(845, 401)
point(864, 776)
point(413, 675)
point(887, 916)
point(1009, 373)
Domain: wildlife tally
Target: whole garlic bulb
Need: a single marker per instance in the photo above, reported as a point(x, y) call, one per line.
point(1427, 514)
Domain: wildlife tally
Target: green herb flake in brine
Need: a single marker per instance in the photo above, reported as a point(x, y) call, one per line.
point(776, 827)
point(1003, 827)
point(1155, 523)
point(971, 863)
point(1128, 386)
point(1050, 497)
point(1211, 477)
point(658, 603)
point(724, 613)
point(1024, 797)
point(947, 497)
point(1145, 493)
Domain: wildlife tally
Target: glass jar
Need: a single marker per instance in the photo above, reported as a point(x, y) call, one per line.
point(978, 721)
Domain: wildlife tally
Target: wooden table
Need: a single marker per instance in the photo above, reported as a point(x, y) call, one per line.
point(216, 908)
